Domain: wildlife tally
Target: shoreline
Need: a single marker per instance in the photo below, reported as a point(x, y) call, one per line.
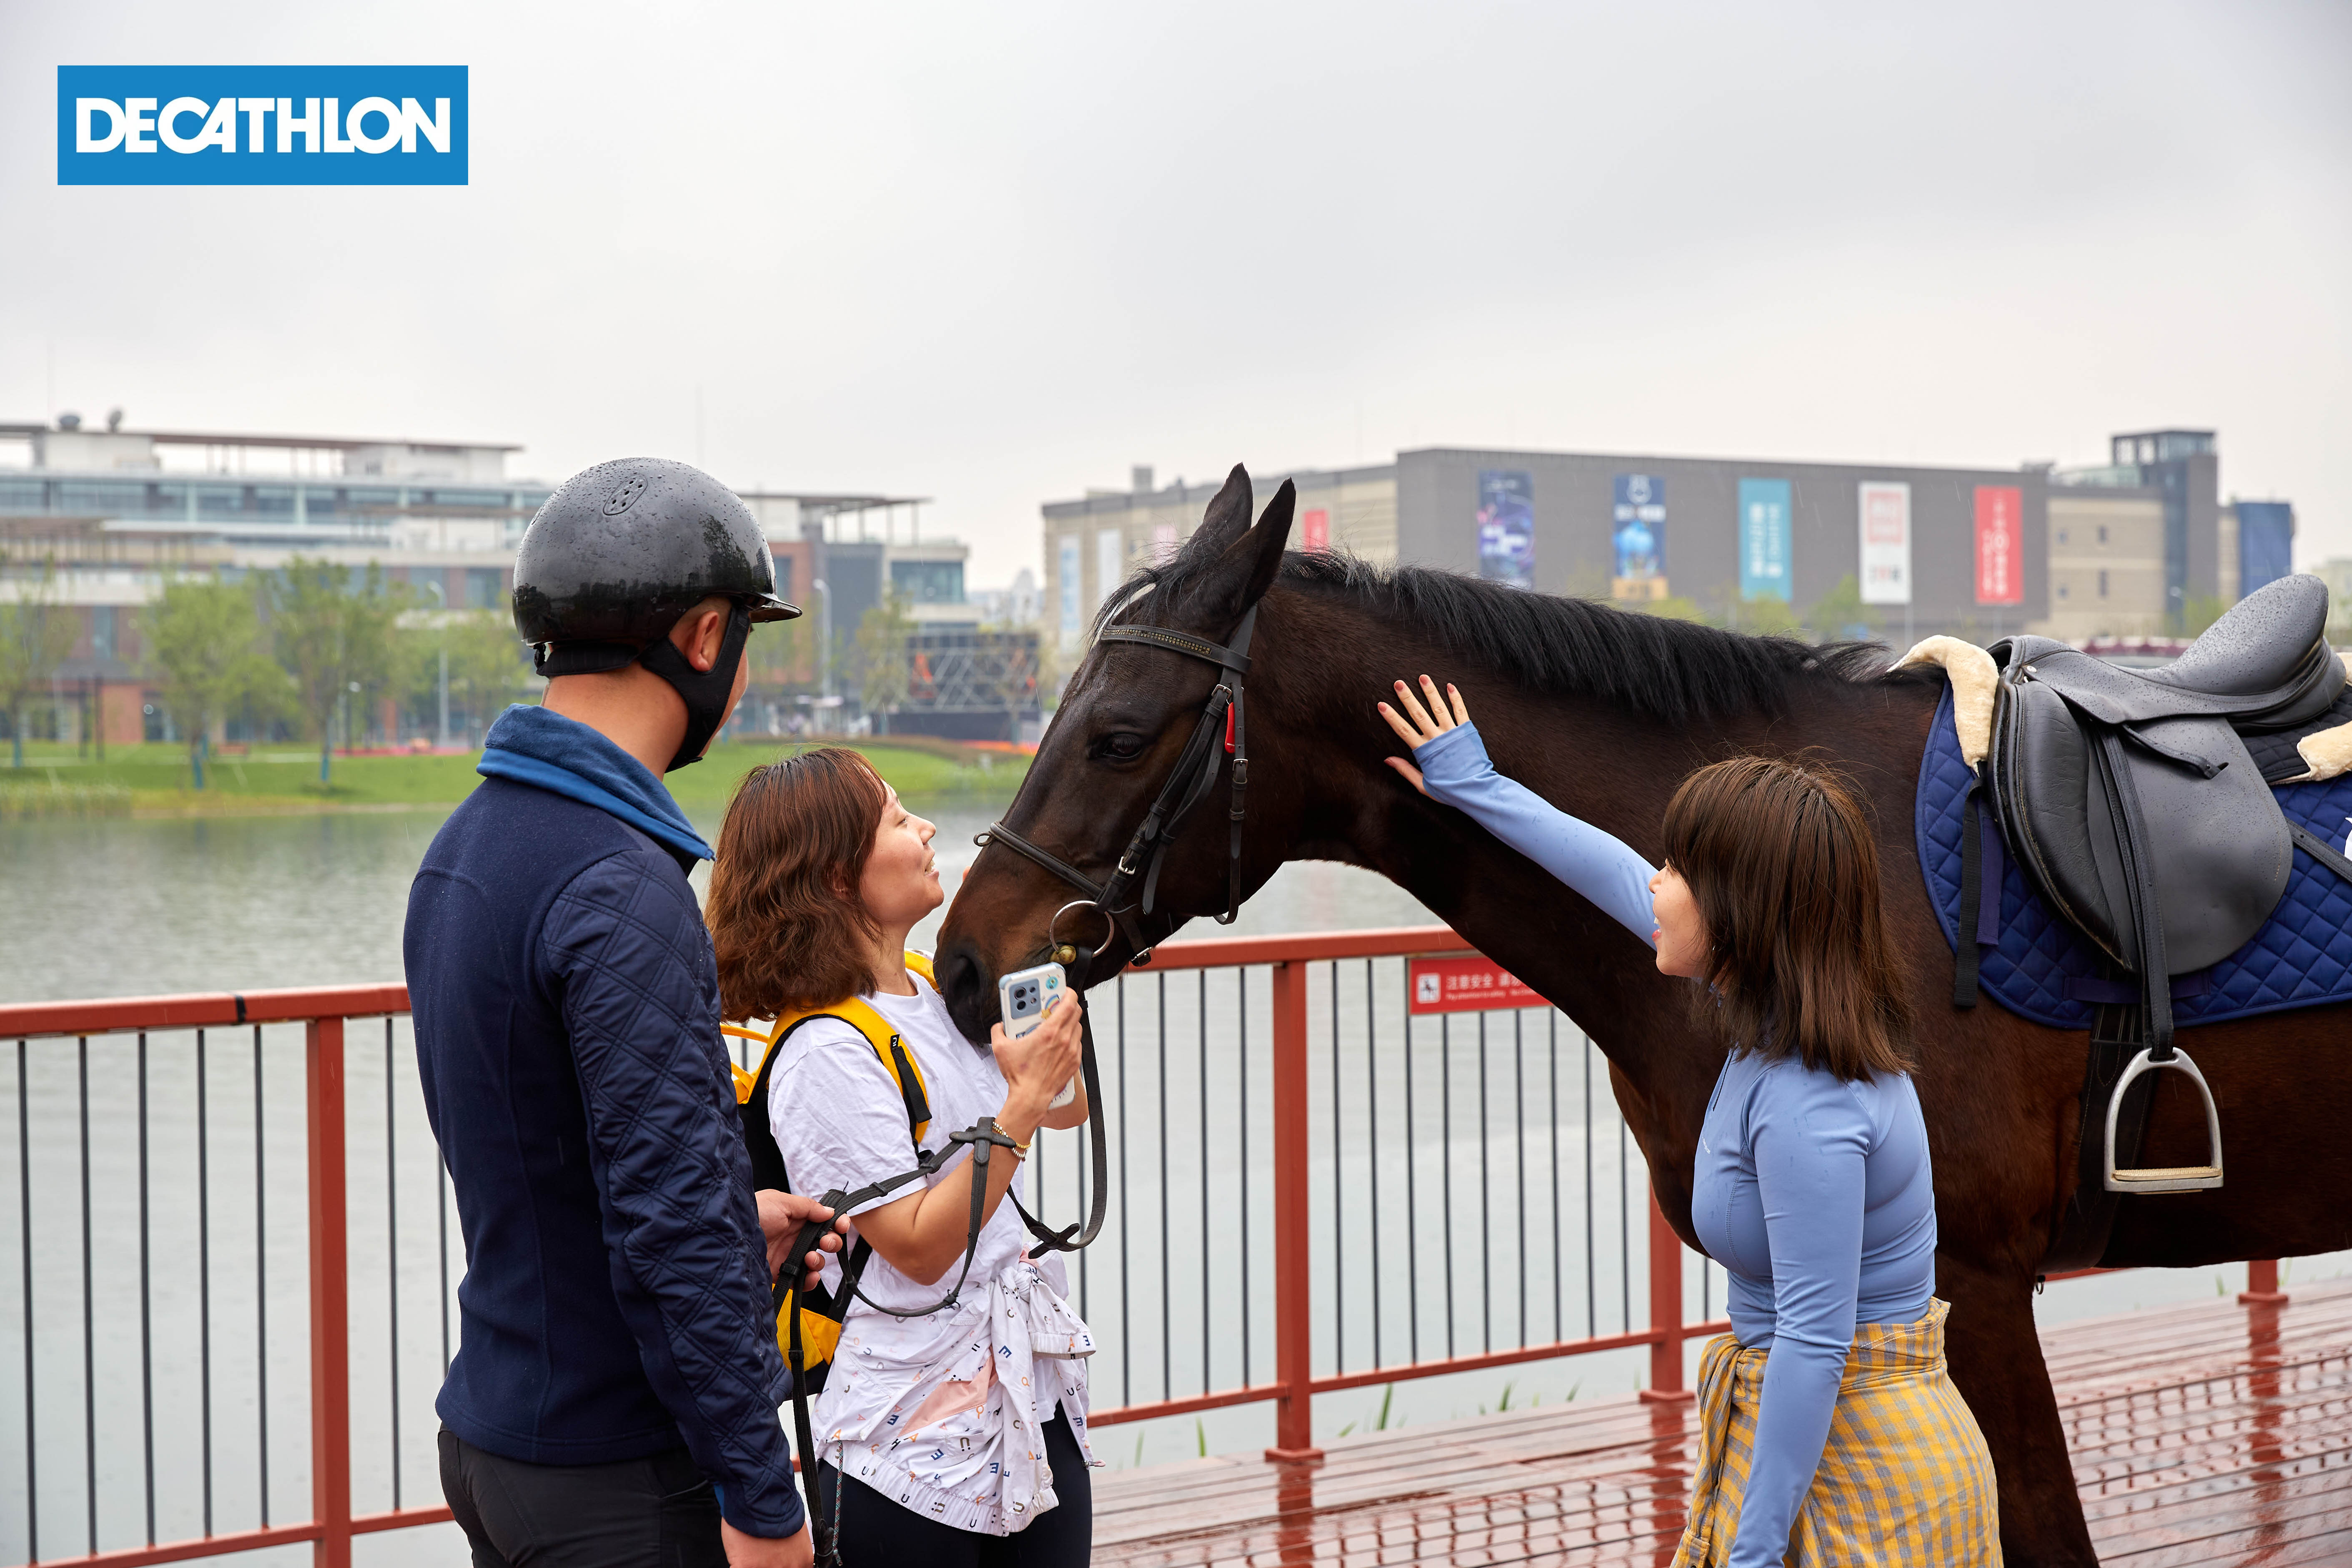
point(149, 783)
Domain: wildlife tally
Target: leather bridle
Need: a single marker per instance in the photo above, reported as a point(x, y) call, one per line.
point(1195, 771)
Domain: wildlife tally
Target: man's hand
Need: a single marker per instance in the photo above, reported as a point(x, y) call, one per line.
point(759, 1552)
point(781, 1215)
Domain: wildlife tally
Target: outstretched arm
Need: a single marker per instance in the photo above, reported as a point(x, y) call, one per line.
point(1454, 769)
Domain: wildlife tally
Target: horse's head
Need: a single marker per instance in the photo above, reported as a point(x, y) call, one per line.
point(1135, 716)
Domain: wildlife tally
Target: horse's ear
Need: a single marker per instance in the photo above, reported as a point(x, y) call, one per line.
point(1247, 567)
point(1228, 516)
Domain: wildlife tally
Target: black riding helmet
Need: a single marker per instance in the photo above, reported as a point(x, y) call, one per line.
point(618, 554)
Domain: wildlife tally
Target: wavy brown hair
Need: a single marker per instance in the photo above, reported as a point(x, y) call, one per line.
point(1781, 862)
point(783, 910)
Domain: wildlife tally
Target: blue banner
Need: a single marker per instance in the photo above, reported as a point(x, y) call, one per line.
point(1638, 530)
point(1507, 527)
point(262, 125)
point(1764, 546)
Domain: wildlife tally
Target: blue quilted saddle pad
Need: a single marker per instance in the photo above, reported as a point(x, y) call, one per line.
point(2036, 965)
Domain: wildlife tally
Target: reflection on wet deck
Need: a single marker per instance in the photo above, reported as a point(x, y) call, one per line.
point(2213, 1434)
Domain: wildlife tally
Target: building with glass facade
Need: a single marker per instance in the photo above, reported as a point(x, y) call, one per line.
point(108, 516)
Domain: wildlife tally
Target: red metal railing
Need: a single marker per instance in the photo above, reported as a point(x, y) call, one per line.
point(324, 1012)
point(1295, 1383)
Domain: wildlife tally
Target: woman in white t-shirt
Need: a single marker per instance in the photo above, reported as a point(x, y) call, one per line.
point(957, 1437)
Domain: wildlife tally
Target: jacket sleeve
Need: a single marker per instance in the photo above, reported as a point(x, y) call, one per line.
point(1596, 864)
point(625, 948)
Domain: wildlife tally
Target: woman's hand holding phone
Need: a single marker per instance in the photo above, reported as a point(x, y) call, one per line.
point(1037, 1066)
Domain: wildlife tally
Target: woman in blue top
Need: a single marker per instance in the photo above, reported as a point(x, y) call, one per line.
point(1830, 1433)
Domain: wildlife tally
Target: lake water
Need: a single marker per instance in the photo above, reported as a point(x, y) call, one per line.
point(122, 908)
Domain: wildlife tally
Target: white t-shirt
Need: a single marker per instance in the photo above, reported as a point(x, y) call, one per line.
point(942, 1413)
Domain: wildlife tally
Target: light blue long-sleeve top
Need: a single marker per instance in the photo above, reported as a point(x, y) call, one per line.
point(1815, 1194)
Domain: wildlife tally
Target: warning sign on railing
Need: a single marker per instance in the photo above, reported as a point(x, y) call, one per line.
point(1466, 982)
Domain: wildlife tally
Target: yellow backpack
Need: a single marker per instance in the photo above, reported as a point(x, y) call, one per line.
point(820, 1309)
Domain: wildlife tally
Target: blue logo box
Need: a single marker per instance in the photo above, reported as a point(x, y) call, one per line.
point(262, 125)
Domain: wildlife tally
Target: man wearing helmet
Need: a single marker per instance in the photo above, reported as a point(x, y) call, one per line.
point(615, 1398)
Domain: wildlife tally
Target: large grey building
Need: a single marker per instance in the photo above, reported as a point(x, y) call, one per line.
point(1900, 551)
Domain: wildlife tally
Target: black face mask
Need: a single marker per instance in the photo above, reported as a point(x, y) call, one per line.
point(705, 691)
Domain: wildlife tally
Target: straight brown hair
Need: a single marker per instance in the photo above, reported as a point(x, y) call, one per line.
point(783, 911)
point(1782, 863)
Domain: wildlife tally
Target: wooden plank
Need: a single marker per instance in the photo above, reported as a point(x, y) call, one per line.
point(2202, 1434)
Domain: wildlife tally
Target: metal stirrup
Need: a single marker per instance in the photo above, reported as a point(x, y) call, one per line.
point(2164, 1178)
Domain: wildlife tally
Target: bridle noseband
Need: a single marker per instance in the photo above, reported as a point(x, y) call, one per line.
point(1194, 773)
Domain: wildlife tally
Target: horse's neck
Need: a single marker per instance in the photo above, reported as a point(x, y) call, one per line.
point(1611, 768)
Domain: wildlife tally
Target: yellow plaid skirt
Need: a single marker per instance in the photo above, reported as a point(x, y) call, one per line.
point(1904, 1477)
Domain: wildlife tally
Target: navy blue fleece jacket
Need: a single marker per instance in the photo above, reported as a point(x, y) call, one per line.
point(566, 1003)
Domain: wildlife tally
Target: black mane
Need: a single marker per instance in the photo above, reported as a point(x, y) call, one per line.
point(1669, 670)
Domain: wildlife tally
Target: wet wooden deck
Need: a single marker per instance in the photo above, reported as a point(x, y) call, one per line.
point(2213, 1434)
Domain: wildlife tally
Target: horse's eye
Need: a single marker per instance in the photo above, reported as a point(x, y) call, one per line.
point(1120, 746)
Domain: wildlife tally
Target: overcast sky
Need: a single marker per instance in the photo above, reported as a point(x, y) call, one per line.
point(995, 254)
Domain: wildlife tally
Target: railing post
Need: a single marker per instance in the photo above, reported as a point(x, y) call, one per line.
point(2262, 1285)
point(1294, 1342)
point(331, 1353)
point(1665, 1310)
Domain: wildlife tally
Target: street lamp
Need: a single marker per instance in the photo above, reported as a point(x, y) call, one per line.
point(823, 639)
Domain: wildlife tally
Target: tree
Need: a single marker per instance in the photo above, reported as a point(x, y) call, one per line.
point(205, 638)
point(2199, 611)
point(1673, 607)
point(36, 635)
point(879, 655)
point(334, 639)
point(488, 666)
point(1761, 614)
point(1840, 614)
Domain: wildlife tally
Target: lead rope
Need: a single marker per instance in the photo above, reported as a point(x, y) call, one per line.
point(983, 1136)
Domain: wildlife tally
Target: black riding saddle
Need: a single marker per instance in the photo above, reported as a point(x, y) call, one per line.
point(2130, 796)
point(2136, 807)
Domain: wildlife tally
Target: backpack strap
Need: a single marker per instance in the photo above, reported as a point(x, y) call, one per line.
point(906, 1072)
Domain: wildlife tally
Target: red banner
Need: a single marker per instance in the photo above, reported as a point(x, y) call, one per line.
point(1470, 982)
point(2000, 545)
point(1314, 529)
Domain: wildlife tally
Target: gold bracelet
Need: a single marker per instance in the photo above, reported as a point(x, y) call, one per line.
point(1021, 1150)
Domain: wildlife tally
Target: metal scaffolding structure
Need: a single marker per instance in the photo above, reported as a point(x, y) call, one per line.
point(970, 685)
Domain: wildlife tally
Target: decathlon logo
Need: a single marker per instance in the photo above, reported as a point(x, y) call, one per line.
point(261, 125)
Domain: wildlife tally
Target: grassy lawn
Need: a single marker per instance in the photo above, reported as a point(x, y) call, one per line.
point(274, 778)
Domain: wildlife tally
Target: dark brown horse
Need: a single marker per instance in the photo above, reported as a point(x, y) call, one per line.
point(1604, 713)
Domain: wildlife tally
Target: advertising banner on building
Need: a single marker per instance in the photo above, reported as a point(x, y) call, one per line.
point(1764, 540)
point(1314, 529)
point(2001, 544)
point(1507, 527)
point(1886, 543)
point(1639, 525)
point(1068, 579)
point(1466, 982)
point(1110, 561)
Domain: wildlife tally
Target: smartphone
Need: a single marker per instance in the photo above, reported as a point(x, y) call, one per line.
point(1024, 997)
